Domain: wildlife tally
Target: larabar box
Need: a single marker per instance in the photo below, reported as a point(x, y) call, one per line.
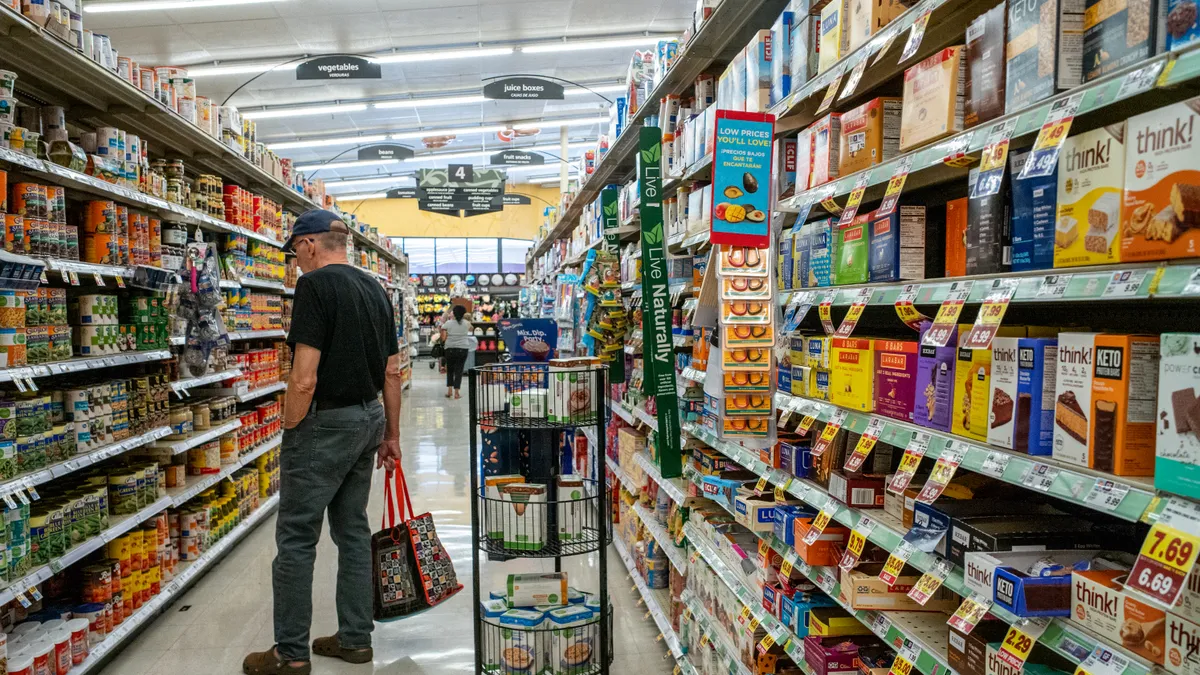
point(896, 378)
point(1073, 398)
point(1091, 175)
point(870, 132)
point(1124, 402)
point(1162, 185)
point(956, 237)
point(1099, 603)
point(852, 374)
point(933, 98)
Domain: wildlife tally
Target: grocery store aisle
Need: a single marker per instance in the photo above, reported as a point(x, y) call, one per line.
point(228, 613)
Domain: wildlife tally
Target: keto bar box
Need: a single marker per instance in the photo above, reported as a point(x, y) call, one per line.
point(896, 378)
point(1021, 408)
point(1044, 53)
point(1162, 184)
point(935, 382)
point(1177, 461)
point(1124, 395)
point(1033, 211)
point(1091, 174)
point(1117, 33)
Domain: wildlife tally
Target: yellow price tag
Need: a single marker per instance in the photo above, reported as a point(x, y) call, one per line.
point(1053, 135)
point(1016, 647)
point(753, 626)
point(745, 615)
point(766, 643)
point(780, 495)
point(677, 671)
point(948, 312)
point(1159, 271)
point(806, 424)
point(786, 568)
point(831, 206)
point(856, 543)
point(704, 640)
point(761, 487)
point(825, 312)
point(909, 462)
point(900, 666)
point(764, 549)
point(854, 312)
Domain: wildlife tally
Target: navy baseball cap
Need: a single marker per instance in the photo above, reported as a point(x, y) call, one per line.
point(315, 221)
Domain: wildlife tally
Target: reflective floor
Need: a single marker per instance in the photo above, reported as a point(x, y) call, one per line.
point(228, 612)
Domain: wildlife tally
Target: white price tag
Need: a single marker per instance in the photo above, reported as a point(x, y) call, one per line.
point(1106, 494)
point(1039, 476)
point(1124, 284)
point(1139, 80)
point(32, 490)
point(994, 464)
point(1193, 284)
point(22, 497)
point(33, 591)
point(1053, 287)
point(8, 499)
point(880, 625)
point(23, 600)
point(98, 279)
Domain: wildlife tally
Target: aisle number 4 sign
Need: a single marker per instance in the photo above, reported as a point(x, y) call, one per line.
point(1168, 554)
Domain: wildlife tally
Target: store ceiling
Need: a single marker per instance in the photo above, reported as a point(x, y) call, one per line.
point(280, 31)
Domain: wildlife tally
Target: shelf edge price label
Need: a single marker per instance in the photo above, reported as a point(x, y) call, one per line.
point(946, 321)
point(1168, 554)
point(858, 539)
point(887, 47)
point(861, 300)
point(995, 305)
point(855, 198)
point(930, 582)
point(905, 308)
point(829, 433)
point(915, 35)
point(970, 612)
point(1102, 662)
point(995, 464)
point(994, 161)
point(913, 454)
point(1044, 156)
point(1106, 494)
point(831, 93)
point(1054, 286)
point(806, 424)
point(895, 562)
point(1039, 476)
point(895, 185)
point(825, 311)
point(1019, 641)
point(943, 473)
point(798, 308)
point(855, 76)
point(901, 666)
point(866, 442)
point(1139, 80)
point(957, 149)
point(1124, 284)
point(764, 552)
point(817, 527)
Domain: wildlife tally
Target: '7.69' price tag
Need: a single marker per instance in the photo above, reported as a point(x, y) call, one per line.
point(1168, 553)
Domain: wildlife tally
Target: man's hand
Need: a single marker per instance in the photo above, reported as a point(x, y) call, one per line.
point(389, 454)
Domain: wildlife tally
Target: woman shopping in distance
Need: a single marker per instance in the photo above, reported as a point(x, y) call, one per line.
point(456, 336)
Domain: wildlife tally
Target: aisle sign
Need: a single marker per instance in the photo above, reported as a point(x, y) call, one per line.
point(895, 562)
point(385, 151)
point(855, 198)
point(905, 308)
point(861, 300)
point(946, 321)
point(942, 473)
point(913, 454)
point(866, 442)
point(523, 89)
point(657, 345)
point(858, 539)
point(829, 433)
point(742, 156)
point(994, 161)
point(1044, 156)
point(987, 324)
point(1168, 553)
point(915, 35)
point(895, 185)
point(825, 311)
point(970, 612)
point(438, 191)
point(339, 67)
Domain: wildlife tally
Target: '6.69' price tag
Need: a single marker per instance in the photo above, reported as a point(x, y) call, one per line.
point(1168, 554)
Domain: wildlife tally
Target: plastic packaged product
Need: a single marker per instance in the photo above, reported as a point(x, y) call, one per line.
point(528, 590)
point(492, 610)
point(572, 642)
point(519, 648)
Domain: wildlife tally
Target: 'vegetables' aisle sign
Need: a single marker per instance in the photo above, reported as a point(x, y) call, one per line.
point(742, 158)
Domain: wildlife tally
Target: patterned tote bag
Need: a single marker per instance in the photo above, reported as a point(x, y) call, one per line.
point(413, 572)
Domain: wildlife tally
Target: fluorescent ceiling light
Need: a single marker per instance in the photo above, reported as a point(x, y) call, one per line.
point(347, 164)
point(489, 129)
point(361, 196)
point(423, 133)
point(367, 181)
point(303, 112)
point(322, 142)
point(236, 69)
point(581, 45)
point(429, 102)
point(442, 55)
point(570, 122)
point(151, 5)
point(602, 89)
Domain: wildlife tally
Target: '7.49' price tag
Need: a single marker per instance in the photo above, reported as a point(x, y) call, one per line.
point(1044, 156)
point(994, 161)
point(1168, 554)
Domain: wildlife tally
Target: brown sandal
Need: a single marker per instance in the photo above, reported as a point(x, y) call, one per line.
point(270, 663)
point(329, 646)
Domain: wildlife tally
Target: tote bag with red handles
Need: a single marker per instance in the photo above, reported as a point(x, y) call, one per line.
point(413, 572)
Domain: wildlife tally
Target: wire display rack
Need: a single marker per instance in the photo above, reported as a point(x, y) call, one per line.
point(538, 492)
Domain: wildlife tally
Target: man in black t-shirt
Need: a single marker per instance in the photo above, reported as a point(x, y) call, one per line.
point(345, 354)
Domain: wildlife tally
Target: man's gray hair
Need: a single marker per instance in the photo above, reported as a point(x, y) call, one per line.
point(335, 238)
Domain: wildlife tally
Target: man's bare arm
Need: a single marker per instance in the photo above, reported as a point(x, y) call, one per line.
point(301, 385)
point(393, 389)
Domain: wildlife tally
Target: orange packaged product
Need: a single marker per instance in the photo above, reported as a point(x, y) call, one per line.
point(3, 191)
point(29, 200)
point(99, 248)
point(1124, 395)
point(1162, 185)
point(100, 217)
point(827, 549)
point(1100, 603)
point(956, 237)
point(15, 240)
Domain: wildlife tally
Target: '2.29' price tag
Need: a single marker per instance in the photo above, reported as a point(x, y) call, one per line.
point(1168, 554)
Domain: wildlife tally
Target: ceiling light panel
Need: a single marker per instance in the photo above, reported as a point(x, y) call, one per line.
point(336, 109)
point(164, 5)
point(585, 45)
point(442, 55)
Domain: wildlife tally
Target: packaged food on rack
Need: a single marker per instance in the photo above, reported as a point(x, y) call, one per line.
point(1090, 182)
point(933, 97)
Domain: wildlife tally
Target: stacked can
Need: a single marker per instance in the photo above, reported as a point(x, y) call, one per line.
point(12, 329)
point(99, 235)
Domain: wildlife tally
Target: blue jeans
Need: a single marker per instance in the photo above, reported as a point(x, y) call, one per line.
point(326, 463)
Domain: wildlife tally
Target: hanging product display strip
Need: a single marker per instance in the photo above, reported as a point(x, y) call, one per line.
point(659, 359)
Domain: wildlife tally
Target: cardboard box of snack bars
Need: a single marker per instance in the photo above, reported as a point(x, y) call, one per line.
point(870, 134)
point(1162, 184)
point(1088, 228)
point(1177, 461)
point(1043, 54)
point(1101, 604)
point(861, 588)
point(933, 98)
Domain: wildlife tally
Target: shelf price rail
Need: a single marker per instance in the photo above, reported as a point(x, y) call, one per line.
point(655, 609)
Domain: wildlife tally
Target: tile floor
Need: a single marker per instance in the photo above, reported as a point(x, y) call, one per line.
point(228, 612)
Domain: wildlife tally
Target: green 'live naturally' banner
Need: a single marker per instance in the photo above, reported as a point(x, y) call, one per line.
point(658, 356)
point(612, 244)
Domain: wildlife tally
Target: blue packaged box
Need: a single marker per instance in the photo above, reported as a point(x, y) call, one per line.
point(772, 599)
point(795, 458)
point(794, 610)
point(801, 254)
point(883, 260)
point(785, 260)
point(617, 116)
point(1034, 205)
point(781, 57)
point(1012, 591)
point(1021, 416)
point(821, 253)
point(759, 55)
point(785, 517)
point(1181, 32)
point(929, 528)
point(785, 377)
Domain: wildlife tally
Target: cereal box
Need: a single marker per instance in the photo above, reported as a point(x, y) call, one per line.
point(870, 134)
point(1117, 33)
point(935, 383)
point(826, 150)
point(896, 378)
point(1073, 397)
point(852, 373)
point(985, 67)
point(933, 98)
point(1044, 52)
point(1090, 178)
point(835, 38)
point(1021, 407)
point(1162, 185)
point(1124, 391)
point(1177, 465)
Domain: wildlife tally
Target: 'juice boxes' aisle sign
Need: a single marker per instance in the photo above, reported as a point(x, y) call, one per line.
point(741, 208)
